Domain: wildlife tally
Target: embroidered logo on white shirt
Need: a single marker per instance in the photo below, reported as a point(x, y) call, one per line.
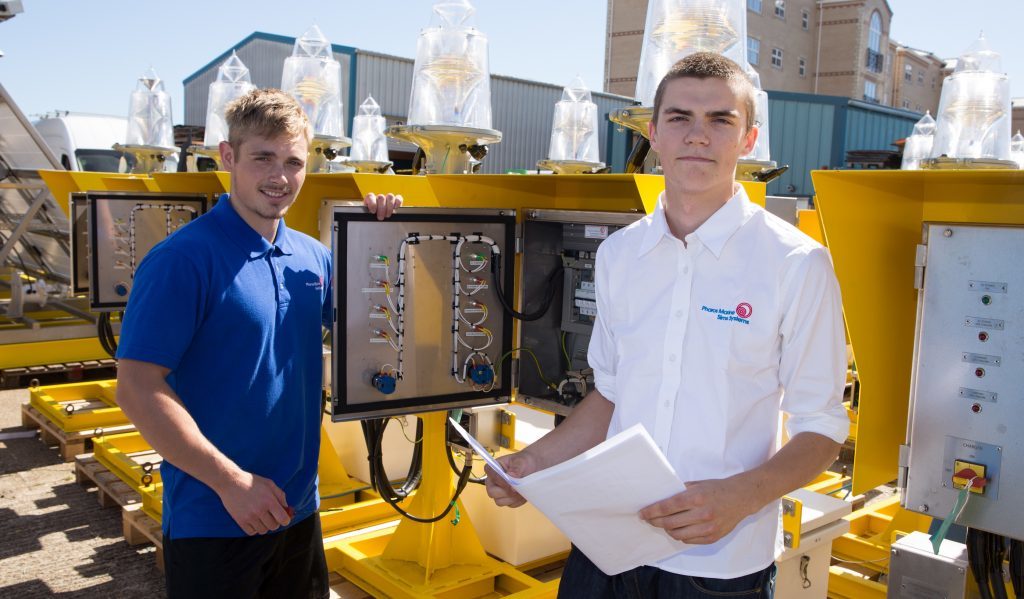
point(740, 313)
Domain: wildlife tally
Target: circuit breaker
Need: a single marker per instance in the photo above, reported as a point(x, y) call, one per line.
point(966, 406)
point(420, 323)
point(123, 227)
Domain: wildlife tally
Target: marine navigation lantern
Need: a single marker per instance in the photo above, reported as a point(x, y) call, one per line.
point(574, 144)
point(150, 136)
point(369, 152)
point(233, 81)
point(1017, 149)
point(450, 104)
point(918, 146)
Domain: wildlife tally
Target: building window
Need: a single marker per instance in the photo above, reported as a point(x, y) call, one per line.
point(754, 5)
point(906, 104)
point(875, 32)
point(920, 77)
point(908, 72)
point(780, 9)
point(802, 66)
point(777, 58)
point(870, 92)
point(805, 19)
point(753, 50)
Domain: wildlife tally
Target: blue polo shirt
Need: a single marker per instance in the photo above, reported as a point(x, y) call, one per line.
point(237, 321)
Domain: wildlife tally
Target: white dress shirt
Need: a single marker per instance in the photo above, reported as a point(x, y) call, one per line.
point(704, 342)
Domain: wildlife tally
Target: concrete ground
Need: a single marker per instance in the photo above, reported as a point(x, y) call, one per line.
point(56, 540)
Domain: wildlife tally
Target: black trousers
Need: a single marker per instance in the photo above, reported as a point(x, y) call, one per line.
point(289, 563)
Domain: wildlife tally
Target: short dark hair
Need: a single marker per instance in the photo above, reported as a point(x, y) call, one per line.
point(709, 65)
point(268, 113)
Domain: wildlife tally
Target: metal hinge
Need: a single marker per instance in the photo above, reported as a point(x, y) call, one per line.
point(513, 370)
point(920, 261)
point(903, 468)
point(519, 238)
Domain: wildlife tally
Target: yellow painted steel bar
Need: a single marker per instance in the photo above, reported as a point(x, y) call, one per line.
point(23, 355)
point(845, 585)
point(126, 455)
point(872, 223)
point(77, 407)
point(872, 531)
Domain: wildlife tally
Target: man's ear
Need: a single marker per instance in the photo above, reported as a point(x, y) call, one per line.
point(227, 155)
point(652, 135)
point(750, 139)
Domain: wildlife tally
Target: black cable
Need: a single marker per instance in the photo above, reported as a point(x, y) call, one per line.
point(976, 558)
point(105, 333)
point(468, 464)
point(551, 286)
point(1017, 567)
point(997, 553)
point(379, 478)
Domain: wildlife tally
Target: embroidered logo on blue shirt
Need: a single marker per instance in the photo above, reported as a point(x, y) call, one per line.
point(319, 284)
point(740, 313)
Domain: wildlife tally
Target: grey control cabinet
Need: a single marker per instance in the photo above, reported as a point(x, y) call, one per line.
point(967, 391)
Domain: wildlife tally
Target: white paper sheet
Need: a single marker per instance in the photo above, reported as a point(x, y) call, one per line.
point(594, 498)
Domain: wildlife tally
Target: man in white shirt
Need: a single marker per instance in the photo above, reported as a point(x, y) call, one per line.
point(713, 315)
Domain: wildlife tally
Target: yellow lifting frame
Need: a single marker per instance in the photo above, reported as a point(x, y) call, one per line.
point(872, 222)
point(77, 407)
point(127, 455)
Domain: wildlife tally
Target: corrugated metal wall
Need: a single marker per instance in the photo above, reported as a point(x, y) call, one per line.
point(810, 132)
point(264, 55)
point(522, 110)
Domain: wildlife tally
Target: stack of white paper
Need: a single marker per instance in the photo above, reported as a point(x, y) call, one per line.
point(594, 498)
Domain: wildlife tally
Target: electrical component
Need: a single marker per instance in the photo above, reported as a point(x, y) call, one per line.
point(384, 382)
point(968, 473)
point(482, 374)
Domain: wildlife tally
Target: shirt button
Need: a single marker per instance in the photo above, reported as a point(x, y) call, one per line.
point(679, 313)
point(672, 358)
point(686, 269)
point(666, 404)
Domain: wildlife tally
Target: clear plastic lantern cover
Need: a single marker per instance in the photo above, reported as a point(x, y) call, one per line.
point(974, 110)
point(368, 141)
point(149, 114)
point(1017, 149)
point(919, 145)
point(313, 77)
point(232, 82)
point(677, 28)
point(451, 82)
point(574, 128)
point(762, 147)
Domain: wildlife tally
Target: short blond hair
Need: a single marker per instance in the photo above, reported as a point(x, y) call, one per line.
point(709, 65)
point(268, 113)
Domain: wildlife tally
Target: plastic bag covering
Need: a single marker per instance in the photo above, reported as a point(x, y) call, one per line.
point(451, 82)
point(919, 145)
point(574, 128)
point(1017, 149)
point(313, 77)
point(232, 82)
point(677, 28)
point(150, 122)
point(974, 109)
point(368, 141)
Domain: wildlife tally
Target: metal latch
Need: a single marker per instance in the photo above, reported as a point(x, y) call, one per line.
point(792, 516)
point(920, 261)
point(507, 429)
point(903, 469)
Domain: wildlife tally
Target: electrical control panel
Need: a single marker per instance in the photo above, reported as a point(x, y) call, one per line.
point(79, 243)
point(967, 392)
point(419, 317)
point(552, 369)
point(123, 227)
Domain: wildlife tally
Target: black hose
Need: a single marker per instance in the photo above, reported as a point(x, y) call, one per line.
point(551, 286)
point(997, 553)
point(468, 465)
point(105, 333)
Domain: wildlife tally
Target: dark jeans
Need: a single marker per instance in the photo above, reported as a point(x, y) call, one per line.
point(289, 563)
point(581, 579)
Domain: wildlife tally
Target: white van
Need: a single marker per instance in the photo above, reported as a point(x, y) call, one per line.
point(84, 142)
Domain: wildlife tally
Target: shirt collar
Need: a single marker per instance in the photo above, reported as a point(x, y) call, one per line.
point(244, 236)
point(715, 231)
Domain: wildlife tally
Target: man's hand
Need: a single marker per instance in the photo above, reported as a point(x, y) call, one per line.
point(517, 465)
point(256, 504)
point(383, 205)
point(705, 512)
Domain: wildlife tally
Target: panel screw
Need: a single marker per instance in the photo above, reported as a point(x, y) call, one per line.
point(947, 233)
point(923, 508)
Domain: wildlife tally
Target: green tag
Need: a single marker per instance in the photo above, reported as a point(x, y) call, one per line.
point(958, 506)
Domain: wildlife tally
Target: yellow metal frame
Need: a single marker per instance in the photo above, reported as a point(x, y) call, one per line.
point(53, 402)
point(872, 531)
point(872, 223)
point(120, 453)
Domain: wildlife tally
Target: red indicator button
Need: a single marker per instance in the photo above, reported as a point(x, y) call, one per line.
point(979, 372)
point(976, 408)
point(983, 336)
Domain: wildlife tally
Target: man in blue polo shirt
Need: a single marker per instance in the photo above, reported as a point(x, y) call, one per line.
point(220, 369)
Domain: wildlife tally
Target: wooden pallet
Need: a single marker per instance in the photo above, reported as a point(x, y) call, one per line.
point(111, 490)
point(138, 528)
point(71, 444)
point(63, 372)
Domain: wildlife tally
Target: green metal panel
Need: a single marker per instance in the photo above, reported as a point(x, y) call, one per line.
point(801, 137)
point(871, 127)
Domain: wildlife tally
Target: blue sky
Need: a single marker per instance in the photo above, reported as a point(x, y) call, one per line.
point(86, 56)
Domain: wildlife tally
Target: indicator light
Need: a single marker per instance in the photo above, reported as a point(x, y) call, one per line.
point(986, 299)
point(983, 336)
